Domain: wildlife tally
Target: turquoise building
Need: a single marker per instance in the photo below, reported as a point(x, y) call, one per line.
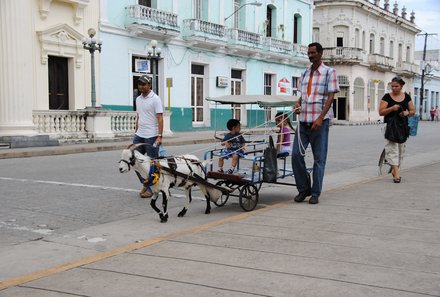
point(206, 49)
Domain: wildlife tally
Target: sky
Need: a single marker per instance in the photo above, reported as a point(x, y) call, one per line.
point(427, 19)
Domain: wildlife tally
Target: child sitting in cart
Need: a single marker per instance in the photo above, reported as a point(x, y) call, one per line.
point(234, 146)
point(283, 123)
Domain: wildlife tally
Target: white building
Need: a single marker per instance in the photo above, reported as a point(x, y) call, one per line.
point(368, 43)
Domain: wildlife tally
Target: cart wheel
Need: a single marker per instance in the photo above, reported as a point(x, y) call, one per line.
point(248, 197)
point(224, 197)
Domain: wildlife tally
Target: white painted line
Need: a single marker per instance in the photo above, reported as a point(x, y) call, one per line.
point(24, 180)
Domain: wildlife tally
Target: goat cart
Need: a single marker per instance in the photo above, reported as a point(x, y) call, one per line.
point(247, 181)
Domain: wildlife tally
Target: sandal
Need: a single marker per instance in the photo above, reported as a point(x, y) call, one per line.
point(397, 180)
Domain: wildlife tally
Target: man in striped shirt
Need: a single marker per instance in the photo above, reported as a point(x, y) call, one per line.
point(318, 87)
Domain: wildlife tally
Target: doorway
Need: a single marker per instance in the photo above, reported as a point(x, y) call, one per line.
point(58, 83)
point(339, 109)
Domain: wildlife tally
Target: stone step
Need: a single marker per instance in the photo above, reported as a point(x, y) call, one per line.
point(4, 145)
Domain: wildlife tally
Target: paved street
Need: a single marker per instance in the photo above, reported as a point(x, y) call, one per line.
point(71, 225)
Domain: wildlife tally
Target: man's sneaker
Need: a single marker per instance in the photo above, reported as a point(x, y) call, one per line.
point(230, 171)
point(144, 193)
point(302, 196)
point(314, 200)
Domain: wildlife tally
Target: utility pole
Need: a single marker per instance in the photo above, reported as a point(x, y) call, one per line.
point(422, 87)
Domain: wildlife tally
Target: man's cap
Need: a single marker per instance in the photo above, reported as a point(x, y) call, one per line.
point(144, 79)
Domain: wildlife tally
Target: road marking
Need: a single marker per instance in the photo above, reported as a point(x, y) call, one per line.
point(24, 180)
point(19, 280)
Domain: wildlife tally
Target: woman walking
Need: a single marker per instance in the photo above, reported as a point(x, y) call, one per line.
point(396, 104)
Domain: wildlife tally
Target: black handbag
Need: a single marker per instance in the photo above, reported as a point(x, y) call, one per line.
point(397, 129)
point(270, 166)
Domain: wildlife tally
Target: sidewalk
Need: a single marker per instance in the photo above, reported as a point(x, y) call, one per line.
point(178, 138)
point(372, 238)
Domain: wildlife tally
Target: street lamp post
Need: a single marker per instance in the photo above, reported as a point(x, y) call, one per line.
point(154, 57)
point(91, 44)
point(258, 4)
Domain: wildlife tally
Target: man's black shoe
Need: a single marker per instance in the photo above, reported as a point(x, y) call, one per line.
point(302, 196)
point(314, 200)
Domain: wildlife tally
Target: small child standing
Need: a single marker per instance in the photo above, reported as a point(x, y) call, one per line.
point(283, 122)
point(234, 145)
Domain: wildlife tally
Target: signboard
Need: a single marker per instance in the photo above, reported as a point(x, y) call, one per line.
point(222, 82)
point(284, 86)
point(141, 65)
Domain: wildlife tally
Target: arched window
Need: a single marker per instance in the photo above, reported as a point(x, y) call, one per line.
point(391, 49)
point(357, 38)
point(408, 54)
point(359, 94)
point(372, 45)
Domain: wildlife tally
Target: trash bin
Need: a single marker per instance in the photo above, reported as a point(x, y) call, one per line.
point(413, 123)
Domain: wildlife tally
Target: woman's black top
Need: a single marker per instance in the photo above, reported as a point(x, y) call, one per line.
point(404, 104)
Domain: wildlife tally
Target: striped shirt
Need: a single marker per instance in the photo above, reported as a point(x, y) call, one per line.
point(324, 81)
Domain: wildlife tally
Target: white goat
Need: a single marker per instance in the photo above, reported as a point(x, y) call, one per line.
point(188, 165)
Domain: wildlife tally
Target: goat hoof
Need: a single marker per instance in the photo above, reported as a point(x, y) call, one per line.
point(163, 218)
point(207, 211)
point(182, 213)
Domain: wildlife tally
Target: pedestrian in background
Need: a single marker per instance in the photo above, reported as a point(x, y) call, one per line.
point(318, 87)
point(432, 113)
point(396, 103)
point(149, 125)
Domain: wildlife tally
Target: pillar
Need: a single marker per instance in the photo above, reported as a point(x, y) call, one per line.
point(16, 68)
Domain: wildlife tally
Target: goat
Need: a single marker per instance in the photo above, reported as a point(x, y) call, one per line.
point(187, 165)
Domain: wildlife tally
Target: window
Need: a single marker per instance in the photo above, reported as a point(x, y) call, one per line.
point(145, 2)
point(358, 99)
point(297, 28)
point(408, 54)
point(363, 40)
point(197, 77)
point(340, 39)
point(343, 80)
point(315, 37)
point(399, 53)
point(237, 5)
point(391, 49)
point(382, 46)
point(372, 45)
point(236, 86)
point(380, 91)
point(198, 9)
point(267, 91)
point(357, 38)
point(269, 22)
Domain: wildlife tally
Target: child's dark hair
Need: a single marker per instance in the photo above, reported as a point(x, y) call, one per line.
point(283, 116)
point(232, 123)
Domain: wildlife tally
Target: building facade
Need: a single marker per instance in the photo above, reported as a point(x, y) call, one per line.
point(43, 64)
point(368, 43)
point(207, 49)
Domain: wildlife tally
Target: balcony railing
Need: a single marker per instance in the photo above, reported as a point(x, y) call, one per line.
point(140, 14)
point(194, 27)
point(379, 61)
point(278, 44)
point(71, 126)
point(300, 49)
point(237, 36)
point(344, 54)
point(407, 67)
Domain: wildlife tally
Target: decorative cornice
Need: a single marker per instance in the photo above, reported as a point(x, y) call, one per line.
point(78, 6)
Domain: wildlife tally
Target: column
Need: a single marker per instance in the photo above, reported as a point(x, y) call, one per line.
point(16, 64)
